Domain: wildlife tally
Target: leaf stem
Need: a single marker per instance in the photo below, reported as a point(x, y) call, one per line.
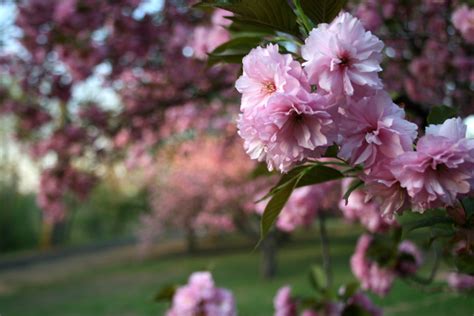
point(325, 251)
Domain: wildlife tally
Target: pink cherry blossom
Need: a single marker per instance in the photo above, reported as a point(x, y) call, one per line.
point(342, 57)
point(207, 38)
point(283, 302)
point(460, 281)
point(368, 213)
point(440, 169)
point(300, 210)
point(200, 296)
point(375, 129)
point(382, 187)
point(372, 276)
point(266, 72)
point(289, 130)
point(463, 20)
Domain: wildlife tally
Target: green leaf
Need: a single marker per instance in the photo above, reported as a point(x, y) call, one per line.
point(355, 184)
point(427, 221)
point(230, 58)
point(322, 11)
point(274, 207)
point(331, 152)
point(439, 114)
point(317, 278)
point(468, 205)
point(297, 177)
point(275, 14)
point(166, 293)
point(318, 174)
point(245, 43)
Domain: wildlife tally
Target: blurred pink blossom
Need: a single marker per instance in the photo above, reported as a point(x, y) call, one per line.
point(372, 276)
point(201, 297)
point(283, 303)
point(460, 282)
point(463, 21)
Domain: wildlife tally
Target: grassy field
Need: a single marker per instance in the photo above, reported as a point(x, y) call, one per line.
point(115, 283)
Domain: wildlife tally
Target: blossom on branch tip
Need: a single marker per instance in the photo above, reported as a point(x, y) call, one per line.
point(266, 72)
point(343, 57)
point(374, 129)
point(441, 168)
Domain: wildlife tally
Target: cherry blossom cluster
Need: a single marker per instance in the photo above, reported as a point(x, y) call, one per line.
point(287, 305)
point(304, 205)
point(200, 296)
point(151, 62)
point(212, 176)
point(429, 39)
point(379, 276)
point(284, 122)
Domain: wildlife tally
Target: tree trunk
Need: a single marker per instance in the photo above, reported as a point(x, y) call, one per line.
point(191, 241)
point(269, 260)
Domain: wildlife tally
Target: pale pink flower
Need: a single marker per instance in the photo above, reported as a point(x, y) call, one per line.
point(368, 213)
point(342, 57)
point(372, 276)
point(206, 39)
point(289, 130)
point(374, 129)
point(266, 72)
point(460, 282)
point(463, 20)
point(300, 210)
point(283, 302)
point(201, 297)
point(382, 187)
point(442, 167)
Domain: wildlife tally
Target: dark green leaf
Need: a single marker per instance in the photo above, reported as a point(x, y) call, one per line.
point(274, 207)
point(230, 58)
point(355, 184)
point(331, 152)
point(318, 278)
point(468, 205)
point(318, 174)
point(166, 293)
point(355, 310)
point(297, 177)
point(439, 114)
point(465, 263)
point(245, 44)
point(274, 14)
point(322, 11)
point(427, 221)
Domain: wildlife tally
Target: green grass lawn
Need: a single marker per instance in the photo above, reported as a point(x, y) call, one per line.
point(122, 286)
